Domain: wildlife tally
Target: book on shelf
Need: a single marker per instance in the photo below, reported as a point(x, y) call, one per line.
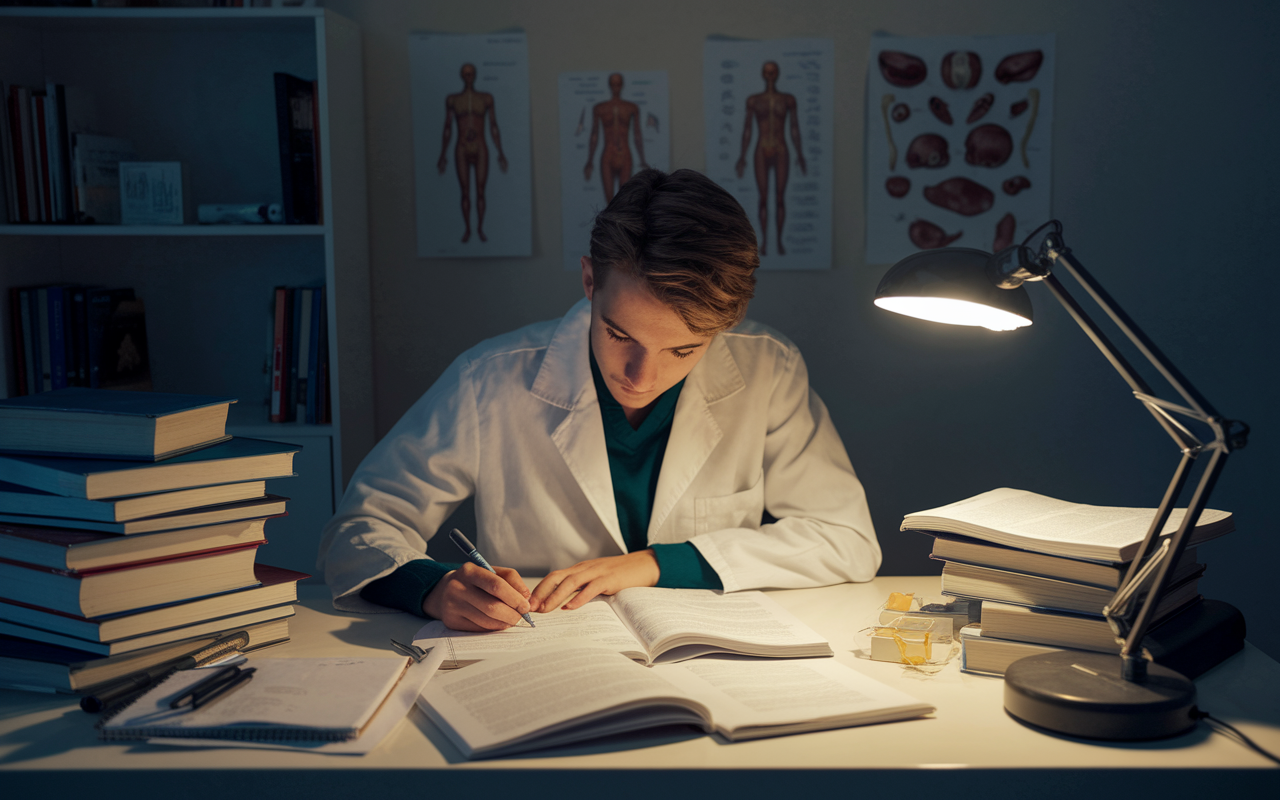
point(96, 168)
point(985, 583)
point(125, 587)
point(1192, 641)
point(39, 666)
point(281, 344)
point(948, 547)
point(578, 691)
point(1030, 521)
point(16, 499)
point(317, 354)
point(7, 163)
point(229, 461)
point(299, 151)
point(111, 424)
point(119, 356)
point(305, 342)
point(300, 699)
point(275, 586)
point(649, 625)
point(268, 506)
point(16, 340)
point(144, 641)
point(69, 549)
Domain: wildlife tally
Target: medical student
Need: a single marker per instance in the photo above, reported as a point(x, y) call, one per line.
point(650, 437)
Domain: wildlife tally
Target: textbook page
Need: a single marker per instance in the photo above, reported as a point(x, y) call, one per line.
point(1024, 519)
point(550, 696)
point(683, 623)
point(749, 699)
point(595, 621)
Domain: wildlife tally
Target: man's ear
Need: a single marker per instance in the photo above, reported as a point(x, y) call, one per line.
point(588, 277)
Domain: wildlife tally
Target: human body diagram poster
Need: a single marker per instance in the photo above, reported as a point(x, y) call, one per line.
point(471, 144)
point(958, 142)
point(768, 108)
point(612, 125)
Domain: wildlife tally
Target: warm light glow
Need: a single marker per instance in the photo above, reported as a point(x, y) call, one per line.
point(953, 312)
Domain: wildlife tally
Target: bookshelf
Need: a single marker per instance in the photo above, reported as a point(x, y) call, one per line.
point(195, 85)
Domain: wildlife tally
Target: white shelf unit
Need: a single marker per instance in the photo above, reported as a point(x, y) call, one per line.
point(196, 86)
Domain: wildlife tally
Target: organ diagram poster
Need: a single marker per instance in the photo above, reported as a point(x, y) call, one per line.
point(471, 145)
point(958, 142)
point(768, 111)
point(612, 125)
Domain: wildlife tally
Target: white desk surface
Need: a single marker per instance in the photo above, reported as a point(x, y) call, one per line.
point(47, 744)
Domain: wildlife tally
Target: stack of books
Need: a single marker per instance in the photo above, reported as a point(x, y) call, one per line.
point(1044, 569)
point(129, 529)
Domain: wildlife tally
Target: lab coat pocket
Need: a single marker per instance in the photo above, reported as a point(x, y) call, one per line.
point(737, 510)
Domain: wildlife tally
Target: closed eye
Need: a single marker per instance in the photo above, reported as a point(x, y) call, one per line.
point(614, 336)
point(681, 354)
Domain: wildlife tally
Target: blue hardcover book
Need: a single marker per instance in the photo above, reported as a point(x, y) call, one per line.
point(15, 499)
point(295, 339)
point(98, 423)
point(237, 459)
point(30, 339)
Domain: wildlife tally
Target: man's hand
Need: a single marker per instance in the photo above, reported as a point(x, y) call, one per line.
point(595, 577)
point(472, 598)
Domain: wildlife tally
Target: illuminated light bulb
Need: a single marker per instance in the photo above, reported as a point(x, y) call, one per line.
point(953, 312)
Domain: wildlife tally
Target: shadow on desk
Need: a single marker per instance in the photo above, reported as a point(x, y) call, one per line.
point(51, 737)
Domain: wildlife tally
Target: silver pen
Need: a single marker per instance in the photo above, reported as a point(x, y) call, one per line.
point(473, 555)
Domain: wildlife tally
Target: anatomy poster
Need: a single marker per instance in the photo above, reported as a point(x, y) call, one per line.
point(768, 116)
point(612, 125)
point(958, 142)
point(471, 144)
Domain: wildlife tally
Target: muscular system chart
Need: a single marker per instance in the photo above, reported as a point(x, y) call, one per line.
point(767, 108)
point(612, 125)
point(471, 144)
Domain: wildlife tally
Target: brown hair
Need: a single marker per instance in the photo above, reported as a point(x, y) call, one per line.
point(688, 239)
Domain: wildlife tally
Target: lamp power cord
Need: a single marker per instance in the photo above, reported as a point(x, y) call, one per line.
point(1218, 725)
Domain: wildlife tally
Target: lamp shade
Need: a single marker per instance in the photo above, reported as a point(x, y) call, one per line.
point(953, 285)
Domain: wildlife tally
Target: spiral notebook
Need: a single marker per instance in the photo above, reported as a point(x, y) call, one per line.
point(313, 699)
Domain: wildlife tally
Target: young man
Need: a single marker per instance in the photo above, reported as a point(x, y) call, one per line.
point(648, 437)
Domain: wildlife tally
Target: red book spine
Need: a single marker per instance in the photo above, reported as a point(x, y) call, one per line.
point(278, 360)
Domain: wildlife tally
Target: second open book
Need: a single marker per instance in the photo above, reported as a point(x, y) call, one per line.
point(648, 625)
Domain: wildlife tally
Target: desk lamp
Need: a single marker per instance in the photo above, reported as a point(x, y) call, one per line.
point(1093, 695)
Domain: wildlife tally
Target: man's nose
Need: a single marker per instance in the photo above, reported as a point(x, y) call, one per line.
point(640, 372)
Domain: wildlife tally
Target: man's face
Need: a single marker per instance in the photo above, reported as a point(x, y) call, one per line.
point(642, 347)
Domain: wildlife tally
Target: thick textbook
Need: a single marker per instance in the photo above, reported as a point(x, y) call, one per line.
point(275, 586)
point(106, 423)
point(948, 547)
point(60, 548)
point(313, 699)
point(121, 646)
point(1191, 642)
point(40, 666)
point(270, 505)
point(1018, 518)
point(576, 691)
point(16, 499)
point(238, 459)
point(648, 625)
point(1054, 628)
point(985, 583)
point(93, 593)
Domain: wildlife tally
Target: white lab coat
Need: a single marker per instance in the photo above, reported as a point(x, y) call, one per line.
point(515, 422)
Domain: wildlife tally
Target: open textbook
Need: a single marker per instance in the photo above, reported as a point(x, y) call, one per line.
point(578, 690)
point(648, 625)
point(1018, 518)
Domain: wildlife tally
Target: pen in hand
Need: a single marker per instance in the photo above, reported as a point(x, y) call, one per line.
point(474, 557)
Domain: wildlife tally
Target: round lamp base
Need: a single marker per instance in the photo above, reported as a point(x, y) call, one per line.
point(1083, 694)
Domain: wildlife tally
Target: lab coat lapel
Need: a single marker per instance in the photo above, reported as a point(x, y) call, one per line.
point(694, 429)
point(564, 380)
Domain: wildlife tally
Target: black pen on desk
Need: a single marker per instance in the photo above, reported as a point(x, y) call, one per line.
point(129, 685)
point(220, 684)
point(473, 555)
